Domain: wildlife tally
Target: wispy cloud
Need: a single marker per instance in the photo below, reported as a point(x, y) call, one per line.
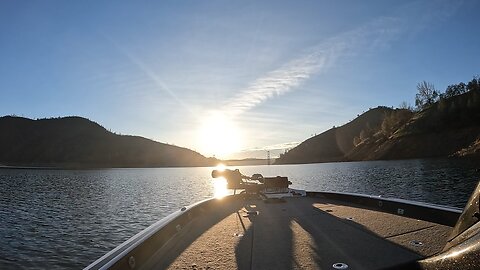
point(280, 146)
point(275, 83)
point(377, 34)
point(295, 72)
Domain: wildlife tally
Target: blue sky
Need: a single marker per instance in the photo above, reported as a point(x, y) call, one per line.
point(259, 73)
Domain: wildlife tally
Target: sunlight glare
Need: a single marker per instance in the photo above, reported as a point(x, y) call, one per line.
point(219, 136)
point(220, 167)
point(220, 188)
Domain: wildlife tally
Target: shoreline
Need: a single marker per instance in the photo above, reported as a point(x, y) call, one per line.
point(230, 163)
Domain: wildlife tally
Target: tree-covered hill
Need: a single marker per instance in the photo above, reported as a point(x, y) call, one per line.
point(77, 142)
point(335, 143)
point(444, 125)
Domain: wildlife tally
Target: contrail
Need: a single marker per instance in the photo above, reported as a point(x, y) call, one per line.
point(370, 37)
point(294, 73)
point(275, 83)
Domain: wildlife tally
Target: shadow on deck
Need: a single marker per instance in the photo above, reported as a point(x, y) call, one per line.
point(299, 233)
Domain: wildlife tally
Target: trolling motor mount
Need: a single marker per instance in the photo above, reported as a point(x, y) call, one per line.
point(256, 183)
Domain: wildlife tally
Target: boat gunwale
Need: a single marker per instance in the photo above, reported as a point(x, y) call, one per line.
point(390, 199)
point(116, 254)
point(440, 214)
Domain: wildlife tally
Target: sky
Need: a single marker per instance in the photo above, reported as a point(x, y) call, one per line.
point(230, 79)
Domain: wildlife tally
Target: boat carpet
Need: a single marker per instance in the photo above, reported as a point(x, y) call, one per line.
point(298, 233)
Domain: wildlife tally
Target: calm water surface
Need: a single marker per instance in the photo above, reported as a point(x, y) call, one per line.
point(67, 219)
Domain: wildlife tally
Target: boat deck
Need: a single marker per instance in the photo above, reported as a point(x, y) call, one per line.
point(299, 233)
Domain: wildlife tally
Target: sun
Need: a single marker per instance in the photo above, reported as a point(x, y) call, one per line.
point(218, 135)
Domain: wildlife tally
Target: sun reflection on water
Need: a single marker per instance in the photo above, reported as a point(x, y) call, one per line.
point(220, 188)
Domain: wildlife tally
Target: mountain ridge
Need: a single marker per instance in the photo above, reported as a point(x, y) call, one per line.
point(76, 142)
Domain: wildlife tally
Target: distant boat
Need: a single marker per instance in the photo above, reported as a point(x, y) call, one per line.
point(270, 226)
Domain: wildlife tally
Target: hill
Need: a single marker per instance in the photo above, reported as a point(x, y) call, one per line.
point(449, 127)
point(76, 142)
point(335, 143)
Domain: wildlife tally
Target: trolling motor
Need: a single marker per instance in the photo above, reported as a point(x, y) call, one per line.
point(255, 184)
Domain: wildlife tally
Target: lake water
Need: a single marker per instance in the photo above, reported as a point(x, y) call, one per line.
point(69, 218)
